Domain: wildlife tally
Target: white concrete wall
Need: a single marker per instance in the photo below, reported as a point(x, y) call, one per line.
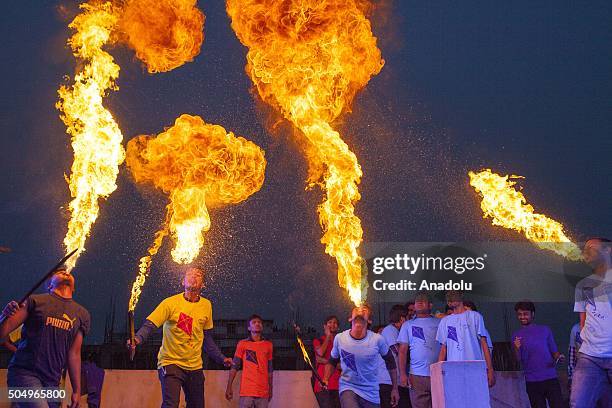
point(140, 389)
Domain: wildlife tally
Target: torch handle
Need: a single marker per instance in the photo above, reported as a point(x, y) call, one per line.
point(3, 317)
point(132, 334)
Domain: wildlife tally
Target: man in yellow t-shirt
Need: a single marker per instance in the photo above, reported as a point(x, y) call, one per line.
point(187, 325)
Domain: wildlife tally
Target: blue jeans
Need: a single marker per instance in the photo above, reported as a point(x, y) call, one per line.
point(27, 379)
point(592, 377)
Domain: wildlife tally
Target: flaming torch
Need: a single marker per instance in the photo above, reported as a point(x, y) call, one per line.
point(307, 360)
point(508, 208)
point(308, 59)
point(200, 166)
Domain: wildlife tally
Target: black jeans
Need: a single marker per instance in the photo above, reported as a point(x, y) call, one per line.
point(173, 378)
point(541, 391)
point(328, 399)
point(384, 390)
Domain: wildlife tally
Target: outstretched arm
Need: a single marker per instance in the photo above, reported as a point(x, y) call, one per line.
point(144, 332)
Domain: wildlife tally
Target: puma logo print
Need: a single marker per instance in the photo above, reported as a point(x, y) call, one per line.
point(61, 324)
point(65, 316)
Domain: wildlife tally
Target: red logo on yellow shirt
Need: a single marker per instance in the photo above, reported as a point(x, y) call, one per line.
point(185, 323)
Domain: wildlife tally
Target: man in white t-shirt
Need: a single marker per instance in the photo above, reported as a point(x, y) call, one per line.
point(463, 335)
point(359, 351)
point(397, 317)
point(593, 301)
point(418, 345)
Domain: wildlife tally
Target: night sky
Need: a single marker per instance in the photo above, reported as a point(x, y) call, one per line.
point(523, 87)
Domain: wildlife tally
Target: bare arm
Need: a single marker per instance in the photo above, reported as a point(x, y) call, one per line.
point(403, 362)
point(74, 364)
point(391, 367)
point(9, 346)
point(12, 322)
point(582, 319)
point(322, 349)
point(236, 365)
point(442, 355)
point(487, 356)
point(270, 377)
point(329, 368)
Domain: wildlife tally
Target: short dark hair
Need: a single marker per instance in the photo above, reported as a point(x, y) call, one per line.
point(470, 304)
point(253, 317)
point(454, 295)
point(524, 305)
point(423, 296)
point(331, 317)
point(396, 313)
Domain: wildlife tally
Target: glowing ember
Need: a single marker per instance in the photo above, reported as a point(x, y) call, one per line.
point(164, 34)
point(199, 166)
point(308, 59)
point(96, 137)
point(508, 208)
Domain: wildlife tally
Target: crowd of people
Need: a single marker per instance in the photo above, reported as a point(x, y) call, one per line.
point(357, 368)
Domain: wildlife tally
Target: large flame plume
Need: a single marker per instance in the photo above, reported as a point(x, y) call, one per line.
point(308, 59)
point(96, 137)
point(164, 34)
point(199, 166)
point(508, 208)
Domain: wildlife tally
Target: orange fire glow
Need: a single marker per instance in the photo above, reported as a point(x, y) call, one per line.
point(308, 59)
point(164, 34)
point(199, 166)
point(508, 208)
point(96, 137)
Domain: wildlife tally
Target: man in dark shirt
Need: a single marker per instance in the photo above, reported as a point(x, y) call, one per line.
point(53, 329)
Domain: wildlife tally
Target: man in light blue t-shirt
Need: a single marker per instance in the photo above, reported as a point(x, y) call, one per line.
point(397, 317)
point(593, 300)
point(417, 339)
point(359, 351)
point(463, 335)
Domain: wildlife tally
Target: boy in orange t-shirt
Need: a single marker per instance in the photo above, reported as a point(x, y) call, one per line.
point(254, 356)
